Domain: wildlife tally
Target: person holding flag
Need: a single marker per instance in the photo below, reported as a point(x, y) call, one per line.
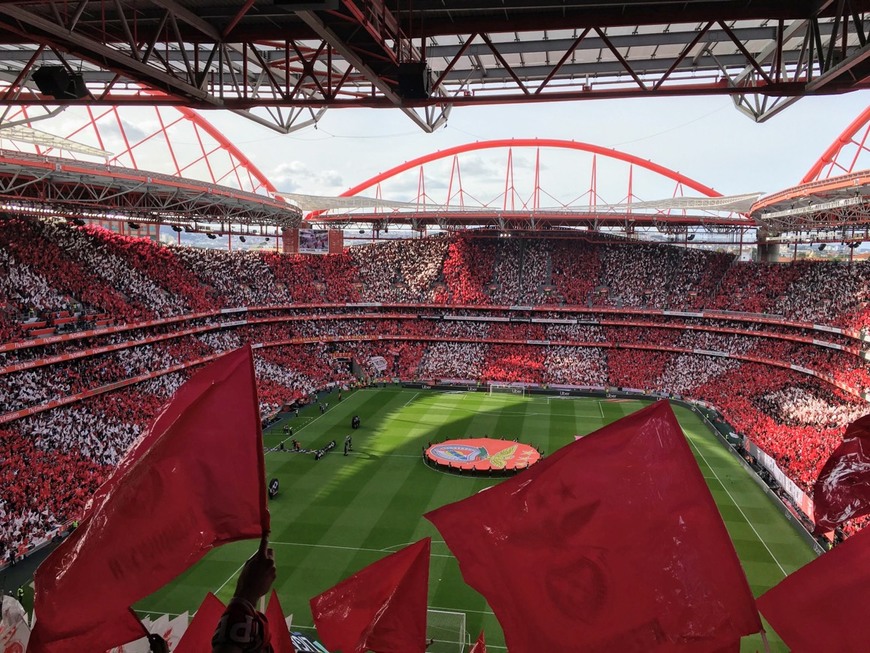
point(153, 519)
point(242, 628)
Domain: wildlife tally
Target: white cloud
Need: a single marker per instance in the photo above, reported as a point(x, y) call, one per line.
point(297, 177)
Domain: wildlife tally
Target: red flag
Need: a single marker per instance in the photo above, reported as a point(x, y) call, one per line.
point(823, 605)
point(197, 637)
point(613, 543)
point(480, 645)
point(279, 634)
point(380, 608)
point(195, 480)
point(842, 490)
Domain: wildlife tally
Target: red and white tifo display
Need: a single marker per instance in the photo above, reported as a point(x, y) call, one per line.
point(482, 455)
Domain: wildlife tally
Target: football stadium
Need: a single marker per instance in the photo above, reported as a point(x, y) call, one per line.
point(267, 386)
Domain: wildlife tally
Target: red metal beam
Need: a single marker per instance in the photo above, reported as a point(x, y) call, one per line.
point(830, 155)
point(537, 143)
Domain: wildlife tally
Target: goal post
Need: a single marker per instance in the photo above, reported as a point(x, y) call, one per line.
point(447, 631)
point(507, 389)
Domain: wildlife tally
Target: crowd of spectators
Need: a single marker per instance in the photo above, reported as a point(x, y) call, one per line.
point(47, 263)
point(99, 262)
point(41, 491)
point(400, 271)
point(685, 372)
point(331, 279)
point(575, 271)
point(656, 276)
point(513, 363)
point(799, 406)
point(467, 272)
point(637, 369)
point(452, 360)
point(748, 397)
point(575, 366)
point(160, 265)
point(47, 267)
point(521, 272)
point(23, 289)
point(36, 386)
point(89, 268)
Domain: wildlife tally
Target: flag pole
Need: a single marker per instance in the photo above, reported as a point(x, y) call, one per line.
point(764, 641)
point(261, 552)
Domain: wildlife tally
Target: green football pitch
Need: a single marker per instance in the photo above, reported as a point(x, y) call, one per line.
point(334, 516)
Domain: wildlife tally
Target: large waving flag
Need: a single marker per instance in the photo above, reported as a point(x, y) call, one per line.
point(197, 637)
point(842, 491)
point(175, 630)
point(14, 631)
point(381, 608)
point(480, 644)
point(278, 631)
point(195, 480)
point(823, 605)
point(613, 543)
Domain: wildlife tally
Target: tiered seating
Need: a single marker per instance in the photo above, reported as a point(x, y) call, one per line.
point(467, 272)
point(57, 277)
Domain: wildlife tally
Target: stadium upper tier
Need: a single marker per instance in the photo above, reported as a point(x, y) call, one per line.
point(53, 266)
point(98, 330)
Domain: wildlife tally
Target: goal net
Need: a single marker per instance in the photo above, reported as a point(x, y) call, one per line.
point(446, 630)
point(507, 389)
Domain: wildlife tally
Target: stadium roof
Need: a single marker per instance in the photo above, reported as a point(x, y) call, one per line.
point(40, 185)
point(284, 62)
point(835, 203)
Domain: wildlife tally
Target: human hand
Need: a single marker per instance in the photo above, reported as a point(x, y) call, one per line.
point(157, 644)
point(258, 574)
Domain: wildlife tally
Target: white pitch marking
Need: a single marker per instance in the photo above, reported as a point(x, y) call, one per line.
point(737, 505)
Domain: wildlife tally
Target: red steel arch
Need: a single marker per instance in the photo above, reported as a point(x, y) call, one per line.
point(196, 118)
point(534, 142)
point(838, 159)
point(189, 145)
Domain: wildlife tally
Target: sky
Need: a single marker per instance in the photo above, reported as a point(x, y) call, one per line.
point(705, 138)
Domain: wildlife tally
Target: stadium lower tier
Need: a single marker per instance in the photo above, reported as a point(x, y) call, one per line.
point(55, 458)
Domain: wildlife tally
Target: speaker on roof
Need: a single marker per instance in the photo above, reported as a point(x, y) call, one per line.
point(76, 88)
point(60, 83)
point(414, 80)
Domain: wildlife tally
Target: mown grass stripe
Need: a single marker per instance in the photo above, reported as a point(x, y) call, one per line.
point(336, 515)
